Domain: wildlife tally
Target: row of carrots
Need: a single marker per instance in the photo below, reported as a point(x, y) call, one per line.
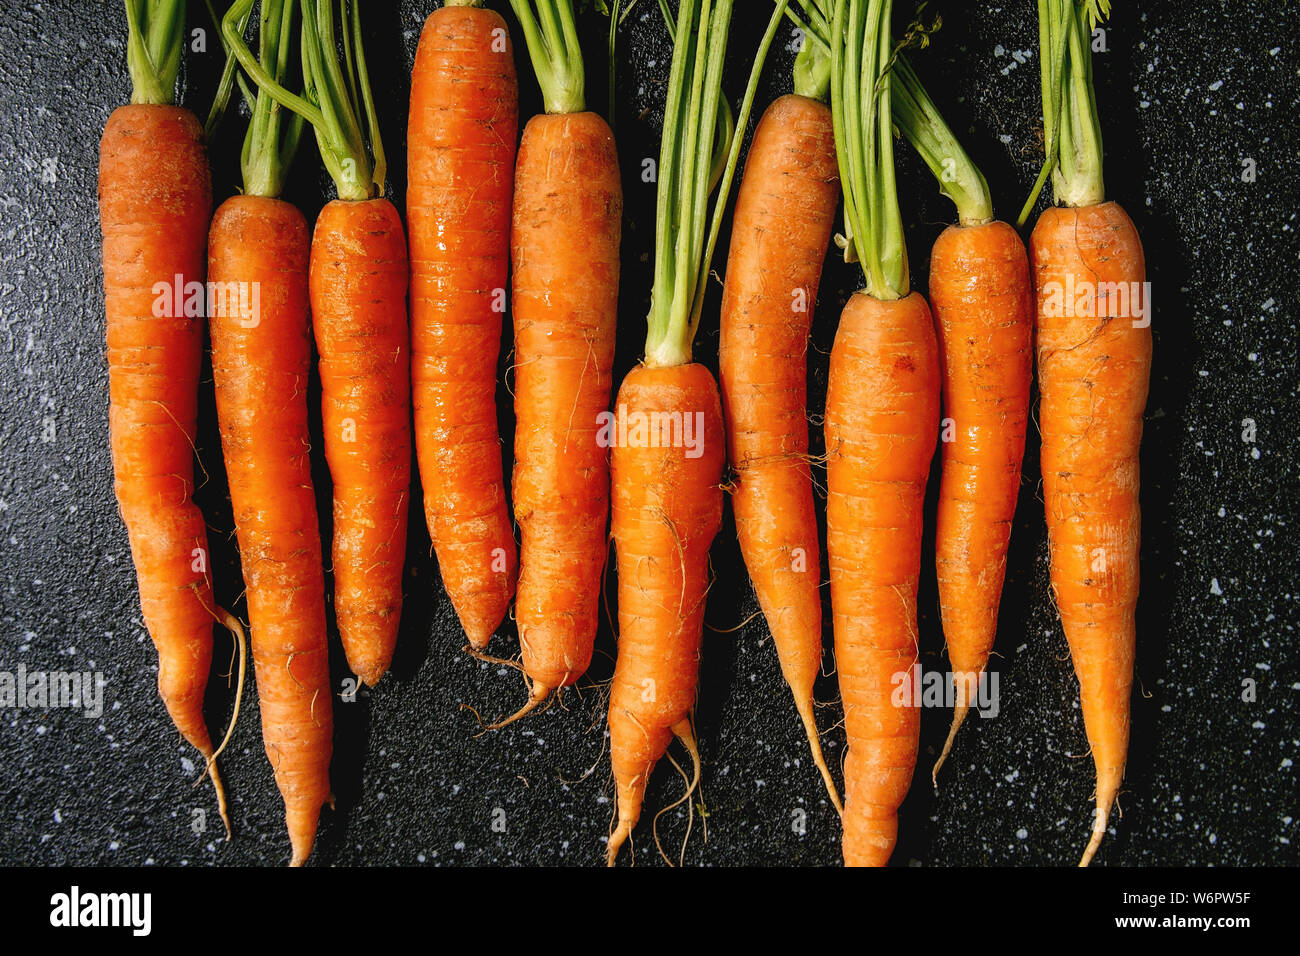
point(545, 221)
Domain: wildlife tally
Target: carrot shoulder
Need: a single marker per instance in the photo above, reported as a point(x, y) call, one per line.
point(565, 247)
point(882, 411)
point(461, 152)
point(155, 198)
point(260, 363)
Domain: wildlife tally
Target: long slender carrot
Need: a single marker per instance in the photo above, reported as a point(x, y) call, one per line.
point(983, 310)
point(668, 449)
point(773, 270)
point(1094, 366)
point(567, 221)
point(155, 197)
point(261, 360)
point(460, 162)
point(358, 282)
point(882, 410)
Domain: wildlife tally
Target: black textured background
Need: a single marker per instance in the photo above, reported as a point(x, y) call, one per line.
point(1187, 95)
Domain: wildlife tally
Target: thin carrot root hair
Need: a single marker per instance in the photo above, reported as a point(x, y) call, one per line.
point(687, 737)
point(232, 624)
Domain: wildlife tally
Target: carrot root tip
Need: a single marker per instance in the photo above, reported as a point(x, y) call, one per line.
point(958, 716)
point(617, 839)
point(217, 785)
point(805, 708)
point(1098, 832)
point(539, 694)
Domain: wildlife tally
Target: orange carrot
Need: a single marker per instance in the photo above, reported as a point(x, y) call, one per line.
point(1093, 374)
point(260, 363)
point(567, 220)
point(773, 270)
point(358, 304)
point(882, 410)
point(261, 360)
point(666, 468)
point(1094, 366)
point(667, 508)
point(155, 197)
point(979, 287)
point(460, 163)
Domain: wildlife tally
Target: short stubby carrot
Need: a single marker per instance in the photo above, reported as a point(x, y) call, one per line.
point(155, 197)
point(882, 414)
point(983, 311)
point(565, 248)
point(261, 360)
point(464, 120)
point(358, 301)
point(666, 511)
point(1094, 367)
point(773, 269)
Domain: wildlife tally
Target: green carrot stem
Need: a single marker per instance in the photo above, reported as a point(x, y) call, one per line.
point(155, 31)
point(920, 121)
point(552, 40)
point(1071, 124)
point(693, 116)
point(336, 99)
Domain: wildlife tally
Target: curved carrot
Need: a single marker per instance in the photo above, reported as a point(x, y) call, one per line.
point(155, 197)
point(882, 409)
point(260, 363)
point(666, 511)
point(1093, 373)
point(567, 223)
point(460, 163)
point(358, 302)
point(773, 270)
point(980, 293)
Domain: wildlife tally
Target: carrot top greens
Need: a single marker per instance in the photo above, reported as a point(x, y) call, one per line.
point(270, 143)
point(155, 29)
point(1071, 127)
point(553, 47)
point(863, 118)
point(336, 98)
point(920, 121)
point(688, 169)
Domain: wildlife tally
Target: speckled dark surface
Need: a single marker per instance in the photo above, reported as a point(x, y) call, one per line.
point(1186, 97)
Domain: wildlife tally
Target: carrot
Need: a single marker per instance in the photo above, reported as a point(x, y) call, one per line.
point(358, 282)
point(460, 162)
point(667, 437)
point(261, 360)
point(983, 310)
point(566, 224)
point(1094, 366)
point(882, 406)
point(773, 270)
point(882, 409)
point(155, 197)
